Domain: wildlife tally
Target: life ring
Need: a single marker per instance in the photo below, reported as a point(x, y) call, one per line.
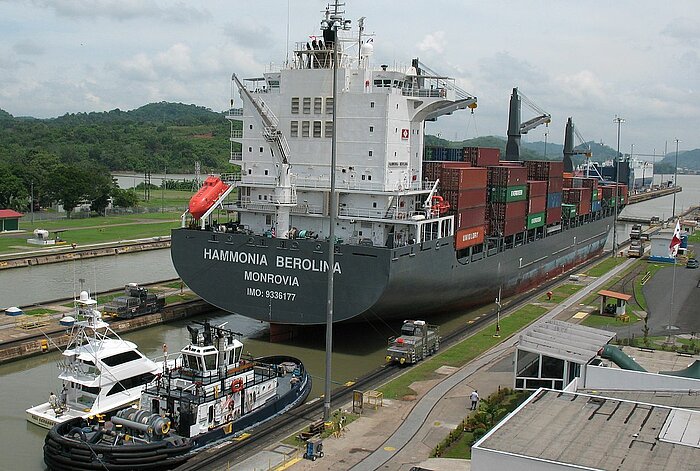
point(237, 385)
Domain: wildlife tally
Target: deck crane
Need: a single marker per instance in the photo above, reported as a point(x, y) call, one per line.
point(516, 128)
point(569, 147)
point(285, 195)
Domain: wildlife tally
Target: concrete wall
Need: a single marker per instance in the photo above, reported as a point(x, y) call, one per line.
point(600, 377)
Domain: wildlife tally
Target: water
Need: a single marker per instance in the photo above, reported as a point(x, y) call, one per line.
point(357, 348)
point(42, 283)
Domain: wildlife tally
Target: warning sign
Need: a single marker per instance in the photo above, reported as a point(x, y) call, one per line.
point(404, 134)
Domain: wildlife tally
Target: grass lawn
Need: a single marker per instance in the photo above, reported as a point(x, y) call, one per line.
point(39, 311)
point(461, 449)
point(561, 292)
point(605, 266)
point(462, 353)
point(602, 322)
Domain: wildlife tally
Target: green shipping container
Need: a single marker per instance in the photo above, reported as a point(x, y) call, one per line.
point(594, 196)
point(535, 220)
point(508, 194)
point(568, 210)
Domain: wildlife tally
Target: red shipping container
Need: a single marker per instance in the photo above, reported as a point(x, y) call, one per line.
point(464, 178)
point(536, 188)
point(537, 204)
point(507, 176)
point(471, 217)
point(501, 211)
point(506, 227)
point(463, 199)
point(584, 182)
point(432, 170)
point(553, 215)
point(481, 156)
point(544, 169)
point(571, 195)
point(555, 185)
point(468, 237)
point(584, 207)
point(586, 195)
point(568, 182)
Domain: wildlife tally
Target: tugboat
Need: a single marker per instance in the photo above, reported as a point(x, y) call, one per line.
point(210, 392)
point(99, 370)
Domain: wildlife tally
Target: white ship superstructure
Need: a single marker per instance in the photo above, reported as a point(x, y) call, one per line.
point(287, 126)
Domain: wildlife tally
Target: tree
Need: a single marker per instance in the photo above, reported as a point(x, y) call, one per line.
point(13, 194)
point(125, 198)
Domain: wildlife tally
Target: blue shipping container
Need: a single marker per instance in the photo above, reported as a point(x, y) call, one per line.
point(596, 206)
point(553, 200)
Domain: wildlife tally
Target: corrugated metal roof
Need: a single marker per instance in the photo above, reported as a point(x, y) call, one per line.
point(558, 339)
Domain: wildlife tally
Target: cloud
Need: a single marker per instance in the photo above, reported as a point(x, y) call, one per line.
point(28, 47)
point(253, 34)
point(123, 10)
point(433, 42)
point(684, 30)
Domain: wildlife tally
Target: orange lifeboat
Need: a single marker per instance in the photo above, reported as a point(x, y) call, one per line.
point(439, 205)
point(211, 190)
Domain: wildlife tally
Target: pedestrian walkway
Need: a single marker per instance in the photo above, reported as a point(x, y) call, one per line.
point(400, 434)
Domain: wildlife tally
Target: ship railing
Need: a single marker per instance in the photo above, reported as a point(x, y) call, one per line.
point(230, 177)
point(236, 157)
point(236, 134)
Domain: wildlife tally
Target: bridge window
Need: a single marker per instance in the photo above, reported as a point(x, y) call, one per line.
point(307, 105)
point(329, 105)
point(329, 129)
point(305, 125)
point(317, 128)
point(371, 104)
point(371, 129)
point(294, 129)
point(295, 105)
point(318, 101)
point(369, 154)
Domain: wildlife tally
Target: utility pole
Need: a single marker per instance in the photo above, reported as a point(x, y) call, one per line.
point(162, 191)
point(619, 122)
point(32, 203)
point(545, 143)
point(675, 182)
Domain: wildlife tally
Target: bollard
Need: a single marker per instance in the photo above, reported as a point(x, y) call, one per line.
point(44, 345)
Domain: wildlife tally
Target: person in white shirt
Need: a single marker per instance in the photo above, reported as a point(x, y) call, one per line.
point(475, 399)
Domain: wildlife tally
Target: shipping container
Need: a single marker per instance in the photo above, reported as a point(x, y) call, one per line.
point(594, 195)
point(500, 194)
point(571, 195)
point(544, 169)
point(554, 200)
point(584, 207)
point(536, 188)
point(471, 217)
point(553, 215)
point(481, 156)
point(432, 171)
point(507, 176)
point(468, 237)
point(584, 182)
point(568, 210)
point(537, 204)
point(503, 211)
point(463, 178)
point(463, 199)
point(535, 220)
point(555, 185)
point(449, 154)
point(506, 227)
point(596, 206)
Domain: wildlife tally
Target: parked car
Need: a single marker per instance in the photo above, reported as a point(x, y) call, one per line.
point(692, 263)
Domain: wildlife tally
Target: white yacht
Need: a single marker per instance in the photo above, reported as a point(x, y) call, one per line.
point(99, 370)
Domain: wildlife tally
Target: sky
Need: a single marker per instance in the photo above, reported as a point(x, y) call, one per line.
point(591, 60)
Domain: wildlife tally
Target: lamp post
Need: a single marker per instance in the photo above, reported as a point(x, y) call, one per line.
point(675, 182)
point(333, 22)
point(545, 144)
point(619, 122)
point(32, 203)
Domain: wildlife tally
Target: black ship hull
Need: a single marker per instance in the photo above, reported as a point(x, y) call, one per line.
point(284, 281)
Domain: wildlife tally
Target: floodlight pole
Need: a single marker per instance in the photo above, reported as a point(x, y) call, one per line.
point(619, 122)
point(675, 182)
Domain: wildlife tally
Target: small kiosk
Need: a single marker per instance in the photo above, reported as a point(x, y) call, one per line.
point(612, 302)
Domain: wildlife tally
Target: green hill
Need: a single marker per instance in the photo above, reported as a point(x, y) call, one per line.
point(688, 160)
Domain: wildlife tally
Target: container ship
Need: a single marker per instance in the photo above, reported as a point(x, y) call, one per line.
point(418, 230)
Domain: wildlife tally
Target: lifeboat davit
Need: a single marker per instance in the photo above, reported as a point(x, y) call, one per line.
point(205, 198)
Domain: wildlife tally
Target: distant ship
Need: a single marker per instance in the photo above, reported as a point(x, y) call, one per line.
point(415, 235)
